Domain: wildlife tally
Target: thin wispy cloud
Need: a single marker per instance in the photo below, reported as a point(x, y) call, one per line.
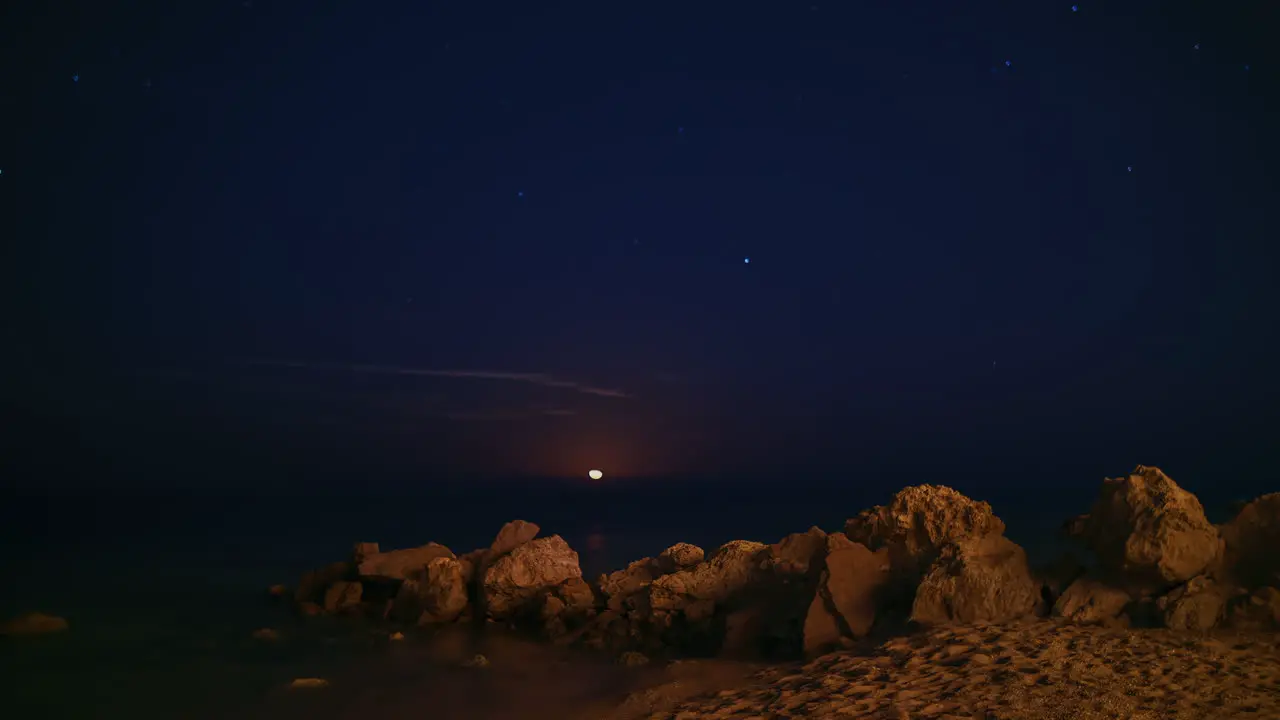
point(540, 379)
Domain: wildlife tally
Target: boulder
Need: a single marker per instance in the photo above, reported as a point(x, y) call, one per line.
point(821, 628)
point(511, 536)
point(34, 624)
point(566, 607)
point(436, 594)
point(619, 586)
point(1251, 553)
point(1148, 533)
point(1259, 610)
point(730, 569)
point(1089, 601)
point(798, 554)
point(919, 522)
point(510, 582)
point(342, 596)
point(400, 564)
point(847, 596)
point(977, 580)
point(680, 556)
point(1199, 604)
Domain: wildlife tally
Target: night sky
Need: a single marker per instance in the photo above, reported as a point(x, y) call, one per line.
point(268, 240)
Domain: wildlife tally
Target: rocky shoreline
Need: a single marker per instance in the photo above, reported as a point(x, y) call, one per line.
point(917, 608)
point(930, 557)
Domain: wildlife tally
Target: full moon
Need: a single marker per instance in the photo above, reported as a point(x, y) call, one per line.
point(595, 474)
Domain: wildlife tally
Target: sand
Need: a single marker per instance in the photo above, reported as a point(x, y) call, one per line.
point(1040, 670)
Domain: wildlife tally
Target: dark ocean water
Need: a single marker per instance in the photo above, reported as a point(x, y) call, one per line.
point(162, 588)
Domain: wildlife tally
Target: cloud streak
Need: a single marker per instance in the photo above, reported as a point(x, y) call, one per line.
point(539, 379)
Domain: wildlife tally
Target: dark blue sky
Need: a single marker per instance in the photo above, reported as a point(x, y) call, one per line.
point(477, 239)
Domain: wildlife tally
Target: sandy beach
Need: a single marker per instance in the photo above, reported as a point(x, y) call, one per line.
point(1042, 670)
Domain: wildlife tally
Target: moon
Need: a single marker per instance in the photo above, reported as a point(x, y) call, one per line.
point(595, 474)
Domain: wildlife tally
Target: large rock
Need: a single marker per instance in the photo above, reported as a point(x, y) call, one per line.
point(680, 556)
point(919, 522)
point(437, 594)
point(400, 564)
point(511, 536)
point(622, 585)
point(510, 582)
point(977, 580)
point(1147, 532)
point(845, 602)
point(1199, 604)
point(1089, 601)
point(799, 554)
point(1252, 544)
point(566, 607)
point(731, 568)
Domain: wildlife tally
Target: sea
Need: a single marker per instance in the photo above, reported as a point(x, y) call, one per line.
point(163, 588)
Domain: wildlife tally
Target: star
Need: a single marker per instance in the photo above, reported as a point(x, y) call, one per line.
point(1075, 8)
point(520, 194)
point(75, 78)
point(746, 261)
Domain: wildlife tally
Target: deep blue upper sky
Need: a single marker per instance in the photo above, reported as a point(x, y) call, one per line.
point(485, 238)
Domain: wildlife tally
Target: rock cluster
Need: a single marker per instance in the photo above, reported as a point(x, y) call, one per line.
point(931, 556)
point(1161, 563)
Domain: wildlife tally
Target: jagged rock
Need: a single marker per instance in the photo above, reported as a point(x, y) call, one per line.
point(342, 595)
point(511, 536)
point(1251, 555)
point(1088, 601)
point(623, 585)
point(799, 553)
point(821, 628)
point(34, 624)
point(401, 564)
point(919, 522)
point(1259, 610)
point(566, 607)
point(620, 585)
point(514, 579)
point(731, 568)
point(847, 596)
point(1199, 604)
point(840, 541)
point(313, 585)
point(678, 557)
point(977, 580)
point(436, 594)
point(1148, 532)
